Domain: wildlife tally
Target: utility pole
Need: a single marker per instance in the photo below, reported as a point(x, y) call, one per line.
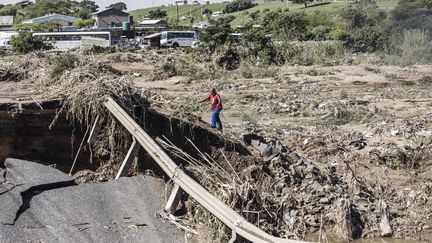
point(178, 18)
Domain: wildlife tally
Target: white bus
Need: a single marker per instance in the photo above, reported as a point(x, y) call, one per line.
point(64, 41)
point(178, 38)
point(5, 39)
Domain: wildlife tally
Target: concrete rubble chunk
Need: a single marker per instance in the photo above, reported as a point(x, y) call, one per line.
point(264, 149)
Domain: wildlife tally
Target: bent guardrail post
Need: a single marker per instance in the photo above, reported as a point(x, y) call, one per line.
point(227, 215)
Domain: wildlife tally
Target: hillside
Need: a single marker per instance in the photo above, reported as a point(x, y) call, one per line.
point(242, 16)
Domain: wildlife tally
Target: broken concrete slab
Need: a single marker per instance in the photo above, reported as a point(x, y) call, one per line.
point(22, 180)
point(123, 210)
point(30, 174)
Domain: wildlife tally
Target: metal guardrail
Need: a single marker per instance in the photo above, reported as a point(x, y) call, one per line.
point(228, 216)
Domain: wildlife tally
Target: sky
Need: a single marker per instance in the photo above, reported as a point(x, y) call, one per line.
point(132, 4)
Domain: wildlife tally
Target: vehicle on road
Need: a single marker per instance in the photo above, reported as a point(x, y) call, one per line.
point(217, 14)
point(177, 39)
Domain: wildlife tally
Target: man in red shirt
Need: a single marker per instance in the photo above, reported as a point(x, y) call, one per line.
point(216, 107)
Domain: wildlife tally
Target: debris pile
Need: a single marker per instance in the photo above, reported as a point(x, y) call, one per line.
point(288, 195)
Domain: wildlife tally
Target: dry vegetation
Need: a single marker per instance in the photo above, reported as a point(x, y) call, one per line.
point(344, 150)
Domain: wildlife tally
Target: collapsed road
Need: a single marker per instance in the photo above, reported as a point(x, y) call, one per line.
point(42, 204)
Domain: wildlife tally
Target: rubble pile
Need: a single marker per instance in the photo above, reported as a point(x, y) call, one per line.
point(290, 196)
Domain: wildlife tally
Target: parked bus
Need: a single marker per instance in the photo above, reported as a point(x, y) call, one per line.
point(5, 39)
point(178, 38)
point(69, 40)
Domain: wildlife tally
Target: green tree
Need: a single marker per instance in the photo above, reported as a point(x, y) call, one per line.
point(85, 23)
point(412, 14)
point(119, 5)
point(43, 7)
point(218, 32)
point(207, 11)
point(260, 46)
point(286, 25)
point(367, 39)
point(84, 13)
point(254, 15)
point(238, 5)
point(305, 2)
point(8, 10)
point(25, 42)
point(90, 5)
point(157, 14)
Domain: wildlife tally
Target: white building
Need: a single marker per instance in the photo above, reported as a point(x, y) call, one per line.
point(181, 2)
point(61, 19)
point(6, 21)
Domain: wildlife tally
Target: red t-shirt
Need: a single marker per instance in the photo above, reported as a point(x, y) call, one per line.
point(216, 101)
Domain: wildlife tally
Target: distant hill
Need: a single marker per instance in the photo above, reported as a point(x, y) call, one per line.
point(242, 17)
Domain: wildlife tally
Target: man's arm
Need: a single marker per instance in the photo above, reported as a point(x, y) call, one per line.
point(205, 99)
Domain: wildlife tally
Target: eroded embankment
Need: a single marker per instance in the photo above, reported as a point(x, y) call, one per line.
point(25, 133)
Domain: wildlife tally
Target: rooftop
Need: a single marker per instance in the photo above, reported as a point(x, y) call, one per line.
point(152, 36)
point(51, 17)
point(151, 21)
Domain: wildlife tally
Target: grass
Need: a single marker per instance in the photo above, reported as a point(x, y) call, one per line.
point(241, 16)
point(187, 10)
point(242, 19)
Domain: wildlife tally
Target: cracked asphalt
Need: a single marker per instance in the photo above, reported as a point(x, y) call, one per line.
point(42, 204)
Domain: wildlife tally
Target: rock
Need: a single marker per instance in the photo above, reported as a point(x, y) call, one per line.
point(264, 149)
point(316, 188)
point(395, 132)
point(359, 144)
point(293, 157)
point(324, 200)
point(247, 138)
point(384, 223)
point(327, 188)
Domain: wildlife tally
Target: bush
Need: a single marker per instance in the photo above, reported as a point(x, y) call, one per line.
point(217, 34)
point(207, 11)
point(416, 47)
point(169, 69)
point(83, 23)
point(62, 63)
point(367, 39)
point(239, 5)
point(254, 15)
point(25, 42)
point(312, 52)
point(285, 25)
point(229, 60)
point(259, 48)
